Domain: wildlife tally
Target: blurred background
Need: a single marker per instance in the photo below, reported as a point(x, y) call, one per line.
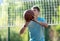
point(11, 19)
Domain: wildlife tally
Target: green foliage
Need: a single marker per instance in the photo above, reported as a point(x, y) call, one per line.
point(15, 36)
point(57, 27)
point(3, 34)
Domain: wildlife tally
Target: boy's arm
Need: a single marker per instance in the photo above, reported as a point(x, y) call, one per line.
point(44, 24)
point(41, 23)
point(24, 27)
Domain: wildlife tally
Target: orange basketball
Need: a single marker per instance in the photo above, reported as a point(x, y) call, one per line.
point(28, 15)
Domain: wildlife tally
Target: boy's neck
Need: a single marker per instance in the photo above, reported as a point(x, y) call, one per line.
point(35, 17)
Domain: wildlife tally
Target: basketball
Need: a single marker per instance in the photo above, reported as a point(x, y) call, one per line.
point(28, 15)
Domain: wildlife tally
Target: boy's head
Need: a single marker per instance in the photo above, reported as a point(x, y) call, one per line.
point(36, 10)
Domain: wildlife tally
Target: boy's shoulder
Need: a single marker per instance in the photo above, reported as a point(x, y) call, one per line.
point(40, 18)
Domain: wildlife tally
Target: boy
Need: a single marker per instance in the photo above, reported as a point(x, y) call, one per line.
point(36, 31)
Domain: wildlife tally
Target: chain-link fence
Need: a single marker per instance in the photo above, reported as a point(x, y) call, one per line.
point(11, 16)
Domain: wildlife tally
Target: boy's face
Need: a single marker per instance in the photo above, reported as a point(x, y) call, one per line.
point(36, 12)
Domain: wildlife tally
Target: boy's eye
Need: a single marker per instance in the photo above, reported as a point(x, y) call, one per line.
point(34, 10)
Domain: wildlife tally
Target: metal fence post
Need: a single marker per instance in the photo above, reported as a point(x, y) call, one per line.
point(47, 33)
point(8, 25)
point(0, 37)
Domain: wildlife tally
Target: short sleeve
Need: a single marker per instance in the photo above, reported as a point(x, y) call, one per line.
point(43, 20)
